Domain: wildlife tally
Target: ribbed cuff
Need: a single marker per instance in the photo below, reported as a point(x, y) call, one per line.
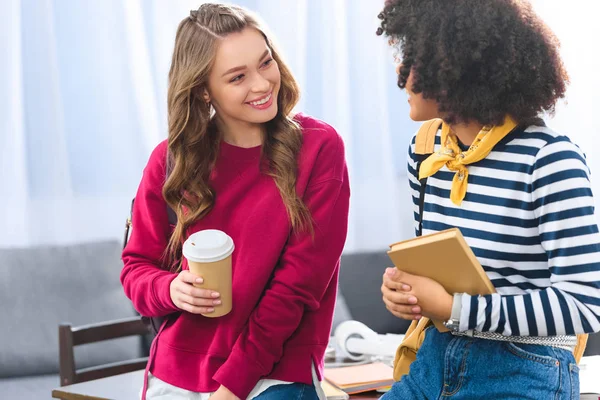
point(161, 291)
point(239, 374)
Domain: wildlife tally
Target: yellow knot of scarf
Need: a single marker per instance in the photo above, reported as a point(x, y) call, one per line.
point(457, 160)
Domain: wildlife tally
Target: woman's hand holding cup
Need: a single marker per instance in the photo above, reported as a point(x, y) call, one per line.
point(209, 256)
point(189, 298)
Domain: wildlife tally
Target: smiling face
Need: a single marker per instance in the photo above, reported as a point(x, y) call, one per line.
point(244, 81)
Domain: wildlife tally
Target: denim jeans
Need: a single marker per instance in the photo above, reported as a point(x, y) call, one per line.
point(290, 391)
point(460, 367)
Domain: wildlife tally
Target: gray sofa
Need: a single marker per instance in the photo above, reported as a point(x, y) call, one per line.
point(42, 287)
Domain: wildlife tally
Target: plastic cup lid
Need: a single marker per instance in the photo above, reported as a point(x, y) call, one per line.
point(210, 245)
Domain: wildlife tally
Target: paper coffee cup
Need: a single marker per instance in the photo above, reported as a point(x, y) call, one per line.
point(208, 254)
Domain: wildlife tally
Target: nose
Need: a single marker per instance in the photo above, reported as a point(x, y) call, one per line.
point(260, 84)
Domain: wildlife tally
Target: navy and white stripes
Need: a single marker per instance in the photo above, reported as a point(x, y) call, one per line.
point(528, 215)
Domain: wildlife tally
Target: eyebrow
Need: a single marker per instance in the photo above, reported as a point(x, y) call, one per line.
point(242, 67)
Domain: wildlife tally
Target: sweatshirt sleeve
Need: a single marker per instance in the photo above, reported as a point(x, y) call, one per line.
point(144, 281)
point(564, 209)
point(307, 266)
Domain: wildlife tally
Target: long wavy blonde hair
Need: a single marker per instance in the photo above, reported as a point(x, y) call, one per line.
point(193, 138)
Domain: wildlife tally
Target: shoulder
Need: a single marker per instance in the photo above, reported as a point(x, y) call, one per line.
point(540, 137)
point(549, 142)
point(553, 151)
point(319, 137)
point(426, 139)
point(160, 151)
point(323, 148)
point(157, 163)
point(318, 133)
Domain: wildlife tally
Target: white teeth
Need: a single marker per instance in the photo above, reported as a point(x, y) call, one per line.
point(260, 102)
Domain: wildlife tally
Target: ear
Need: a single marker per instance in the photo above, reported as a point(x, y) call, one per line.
point(205, 95)
point(201, 92)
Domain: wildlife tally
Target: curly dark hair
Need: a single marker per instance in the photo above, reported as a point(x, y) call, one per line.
point(479, 60)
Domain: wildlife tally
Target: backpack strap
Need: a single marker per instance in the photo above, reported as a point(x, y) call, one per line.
point(128, 225)
point(171, 215)
point(425, 140)
point(424, 145)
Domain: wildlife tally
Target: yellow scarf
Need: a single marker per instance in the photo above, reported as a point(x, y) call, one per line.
point(457, 160)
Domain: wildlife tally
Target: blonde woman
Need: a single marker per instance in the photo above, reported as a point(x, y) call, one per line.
point(239, 162)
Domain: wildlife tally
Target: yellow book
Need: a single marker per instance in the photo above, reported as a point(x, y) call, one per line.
point(446, 258)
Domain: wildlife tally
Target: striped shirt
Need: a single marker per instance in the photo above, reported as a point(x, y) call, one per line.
point(528, 215)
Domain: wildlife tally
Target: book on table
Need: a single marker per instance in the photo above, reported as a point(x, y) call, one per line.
point(446, 258)
point(332, 392)
point(361, 378)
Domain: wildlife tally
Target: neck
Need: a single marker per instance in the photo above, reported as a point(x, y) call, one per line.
point(466, 132)
point(241, 134)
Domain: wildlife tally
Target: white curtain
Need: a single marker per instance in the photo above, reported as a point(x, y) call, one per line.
point(576, 26)
point(83, 102)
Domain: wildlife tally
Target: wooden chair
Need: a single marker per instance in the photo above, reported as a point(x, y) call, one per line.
point(69, 337)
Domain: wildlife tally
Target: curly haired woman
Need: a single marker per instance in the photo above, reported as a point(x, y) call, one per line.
point(519, 192)
point(276, 183)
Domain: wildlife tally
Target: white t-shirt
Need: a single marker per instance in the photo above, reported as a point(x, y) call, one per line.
point(158, 389)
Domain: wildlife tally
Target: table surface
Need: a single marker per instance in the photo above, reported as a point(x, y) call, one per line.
point(127, 387)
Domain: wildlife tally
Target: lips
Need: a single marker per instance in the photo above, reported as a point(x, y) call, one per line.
point(262, 103)
point(261, 100)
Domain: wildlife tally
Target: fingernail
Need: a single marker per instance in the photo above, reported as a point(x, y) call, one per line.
point(416, 309)
point(390, 271)
point(215, 294)
point(199, 280)
point(216, 302)
point(412, 300)
point(405, 287)
point(210, 309)
point(417, 317)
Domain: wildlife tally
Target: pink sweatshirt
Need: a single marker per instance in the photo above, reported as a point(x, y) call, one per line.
point(284, 285)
